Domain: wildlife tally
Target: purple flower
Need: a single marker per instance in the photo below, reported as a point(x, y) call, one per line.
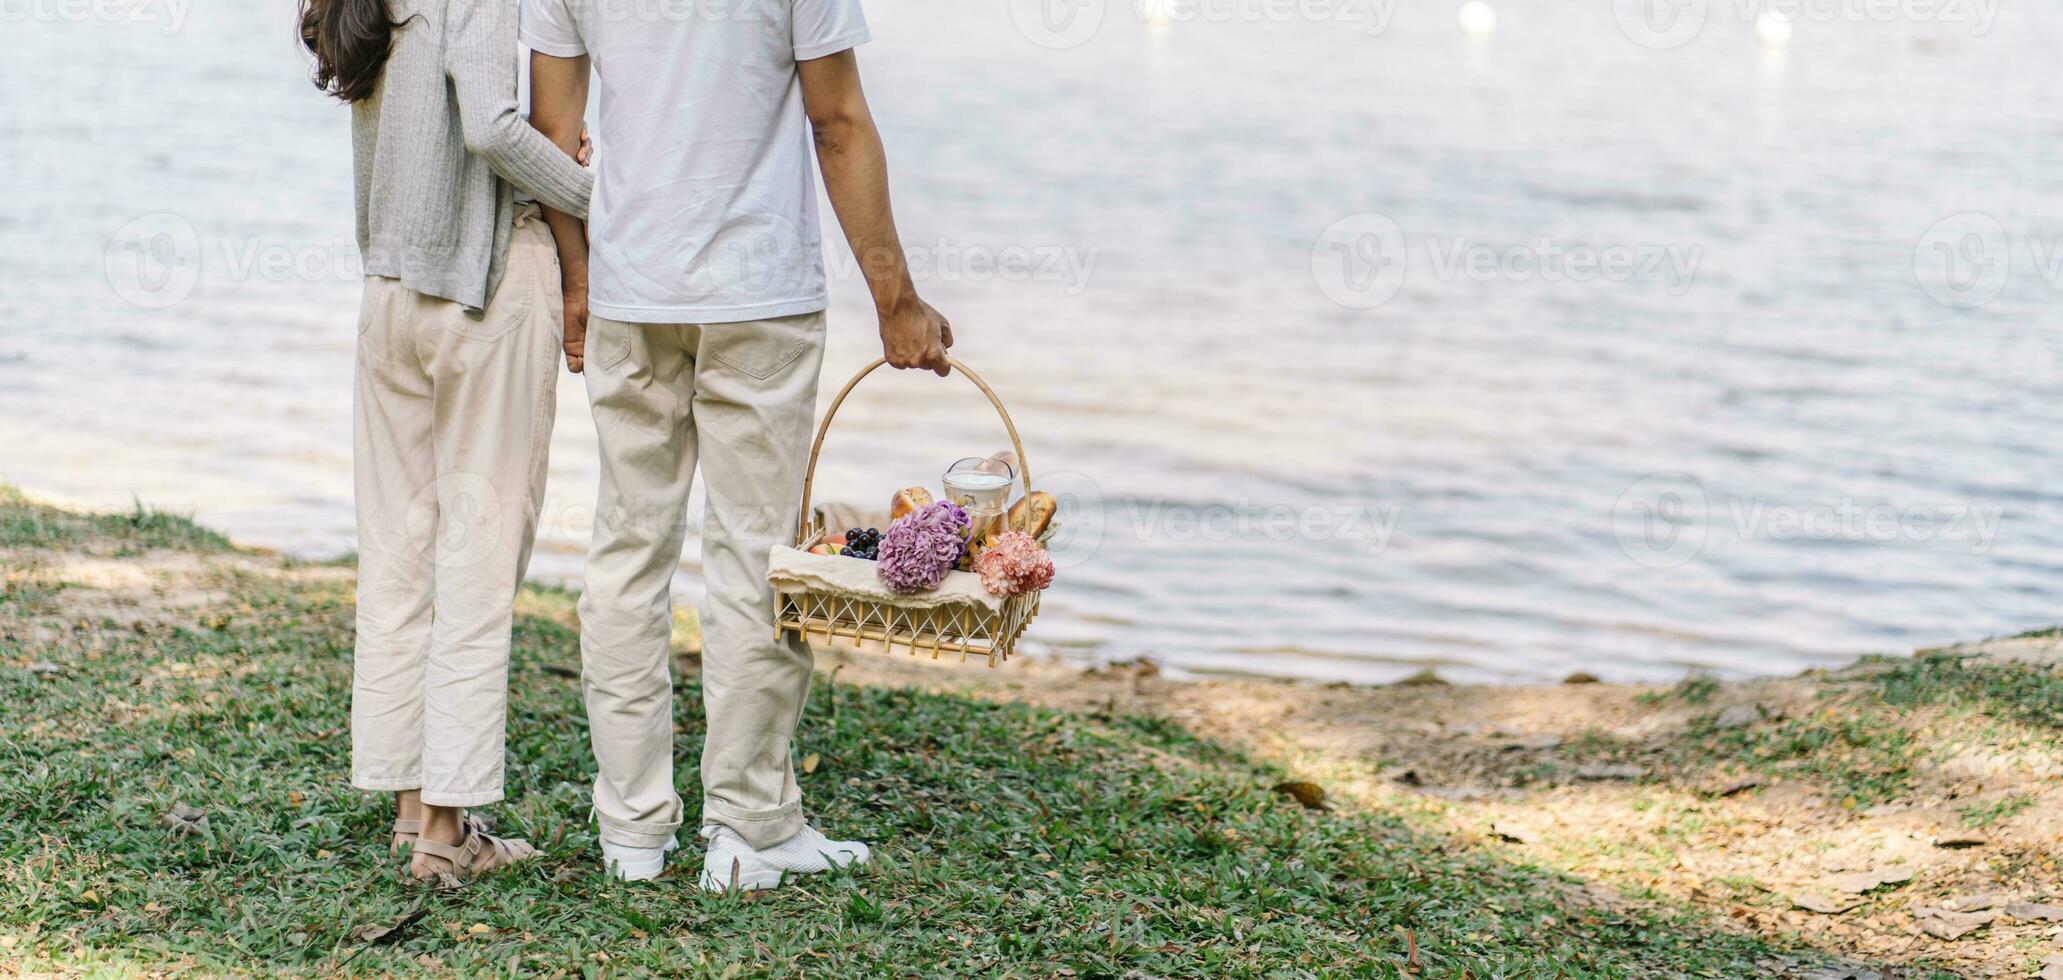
point(918, 550)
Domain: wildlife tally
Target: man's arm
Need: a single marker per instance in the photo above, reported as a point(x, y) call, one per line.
point(558, 98)
point(856, 178)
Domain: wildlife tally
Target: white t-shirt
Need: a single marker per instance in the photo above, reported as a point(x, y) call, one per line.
point(704, 207)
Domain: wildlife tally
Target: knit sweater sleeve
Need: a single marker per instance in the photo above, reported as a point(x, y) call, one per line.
point(480, 60)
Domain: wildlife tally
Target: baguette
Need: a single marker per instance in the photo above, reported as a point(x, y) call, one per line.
point(1033, 513)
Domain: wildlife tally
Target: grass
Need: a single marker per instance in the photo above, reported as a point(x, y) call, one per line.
point(1866, 740)
point(26, 524)
point(1011, 841)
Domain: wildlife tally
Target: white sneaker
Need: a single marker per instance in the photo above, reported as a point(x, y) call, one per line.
point(730, 861)
point(636, 863)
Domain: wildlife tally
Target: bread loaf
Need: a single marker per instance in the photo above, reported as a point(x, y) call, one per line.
point(1001, 464)
point(908, 500)
point(1033, 513)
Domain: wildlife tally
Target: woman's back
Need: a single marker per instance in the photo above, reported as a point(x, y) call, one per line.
point(432, 142)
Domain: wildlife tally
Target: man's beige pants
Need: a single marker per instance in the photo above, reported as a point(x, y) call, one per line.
point(452, 422)
point(738, 398)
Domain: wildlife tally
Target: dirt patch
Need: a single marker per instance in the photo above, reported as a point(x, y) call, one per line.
point(1699, 793)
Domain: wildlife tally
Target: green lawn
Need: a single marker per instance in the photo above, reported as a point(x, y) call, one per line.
point(1009, 840)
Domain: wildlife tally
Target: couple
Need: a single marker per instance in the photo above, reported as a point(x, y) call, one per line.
point(700, 262)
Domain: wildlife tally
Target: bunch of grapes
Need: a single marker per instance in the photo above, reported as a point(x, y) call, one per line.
point(863, 543)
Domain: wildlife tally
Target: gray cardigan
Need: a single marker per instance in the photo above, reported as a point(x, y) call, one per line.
point(437, 146)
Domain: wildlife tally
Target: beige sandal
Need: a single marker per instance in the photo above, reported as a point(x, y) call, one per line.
point(477, 854)
point(408, 830)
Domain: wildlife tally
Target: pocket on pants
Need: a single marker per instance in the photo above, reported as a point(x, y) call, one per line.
point(608, 343)
point(508, 307)
point(763, 348)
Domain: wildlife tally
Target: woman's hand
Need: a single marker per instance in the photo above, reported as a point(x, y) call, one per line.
point(576, 326)
point(586, 152)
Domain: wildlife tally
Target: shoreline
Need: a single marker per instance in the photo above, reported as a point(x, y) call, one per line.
point(1902, 811)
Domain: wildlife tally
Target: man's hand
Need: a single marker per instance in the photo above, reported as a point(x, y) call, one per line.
point(913, 335)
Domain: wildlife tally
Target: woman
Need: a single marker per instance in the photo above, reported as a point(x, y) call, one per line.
point(458, 342)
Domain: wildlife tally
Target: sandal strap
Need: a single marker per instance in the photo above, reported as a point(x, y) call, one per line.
point(409, 828)
point(461, 855)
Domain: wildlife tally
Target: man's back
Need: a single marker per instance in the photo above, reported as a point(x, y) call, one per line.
point(704, 207)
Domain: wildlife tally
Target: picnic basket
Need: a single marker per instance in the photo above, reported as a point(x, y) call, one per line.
point(974, 625)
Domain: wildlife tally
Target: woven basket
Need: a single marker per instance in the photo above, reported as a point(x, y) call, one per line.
point(963, 628)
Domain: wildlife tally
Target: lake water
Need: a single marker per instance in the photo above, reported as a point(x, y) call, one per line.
point(1354, 345)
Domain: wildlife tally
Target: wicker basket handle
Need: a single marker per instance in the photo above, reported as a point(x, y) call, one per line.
point(809, 478)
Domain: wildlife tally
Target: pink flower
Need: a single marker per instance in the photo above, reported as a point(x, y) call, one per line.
point(1016, 564)
point(918, 550)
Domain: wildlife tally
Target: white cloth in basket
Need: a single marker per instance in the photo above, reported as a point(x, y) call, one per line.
point(795, 570)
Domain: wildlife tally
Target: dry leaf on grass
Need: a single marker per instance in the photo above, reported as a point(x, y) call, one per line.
point(1946, 925)
point(1824, 904)
point(379, 935)
point(2035, 911)
point(1610, 771)
point(810, 762)
point(1517, 833)
point(1311, 795)
point(1738, 716)
point(184, 821)
point(1860, 882)
point(1731, 787)
point(1972, 903)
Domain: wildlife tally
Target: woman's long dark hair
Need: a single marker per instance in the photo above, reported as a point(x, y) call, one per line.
point(350, 40)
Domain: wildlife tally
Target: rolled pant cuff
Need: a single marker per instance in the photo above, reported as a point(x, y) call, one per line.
point(385, 784)
point(475, 798)
point(760, 828)
point(637, 833)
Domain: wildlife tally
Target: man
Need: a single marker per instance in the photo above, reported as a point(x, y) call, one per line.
point(707, 292)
